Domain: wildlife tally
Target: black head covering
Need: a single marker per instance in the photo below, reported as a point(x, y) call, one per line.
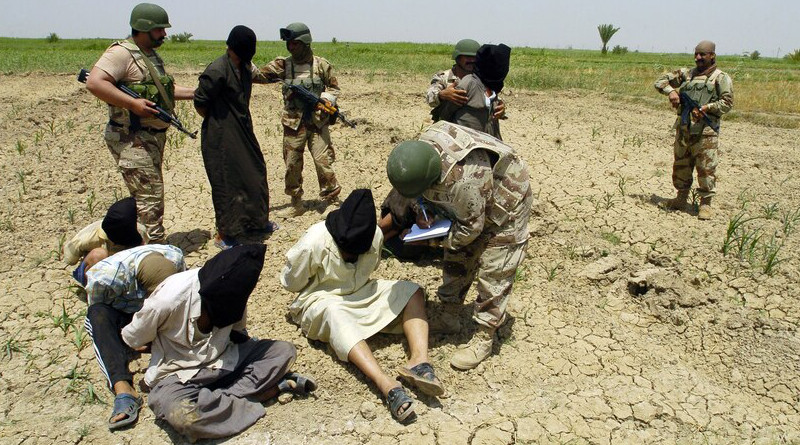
point(120, 223)
point(352, 225)
point(491, 65)
point(227, 280)
point(242, 40)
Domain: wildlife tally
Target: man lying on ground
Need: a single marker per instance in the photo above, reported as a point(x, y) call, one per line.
point(208, 378)
point(339, 304)
point(117, 231)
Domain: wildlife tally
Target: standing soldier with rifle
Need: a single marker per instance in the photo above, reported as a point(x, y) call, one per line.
point(302, 125)
point(135, 136)
point(708, 93)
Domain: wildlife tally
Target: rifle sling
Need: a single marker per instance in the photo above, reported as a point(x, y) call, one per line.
point(157, 81)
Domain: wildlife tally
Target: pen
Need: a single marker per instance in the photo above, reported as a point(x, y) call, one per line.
point(422, 207)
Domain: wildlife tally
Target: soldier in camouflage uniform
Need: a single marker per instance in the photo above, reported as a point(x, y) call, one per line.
point(134, 135)
point(482, 86)
point(447, 99)
point(696, 144)
point(444, 84)
point(300, 127)
point(482, 186)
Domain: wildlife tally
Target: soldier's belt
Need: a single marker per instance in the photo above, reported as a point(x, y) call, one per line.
point(148, 129)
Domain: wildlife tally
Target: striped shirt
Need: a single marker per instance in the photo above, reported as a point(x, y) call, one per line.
point(113, 281)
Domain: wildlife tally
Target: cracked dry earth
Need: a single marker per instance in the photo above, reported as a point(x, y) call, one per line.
point(629, 324)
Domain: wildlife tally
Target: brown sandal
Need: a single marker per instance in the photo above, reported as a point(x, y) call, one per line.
point(396, 398)
point(423, 377)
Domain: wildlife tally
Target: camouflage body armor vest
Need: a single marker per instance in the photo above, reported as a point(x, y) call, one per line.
point(145, 88)
point(703, 90)
point(312, 83)
point(510, 175)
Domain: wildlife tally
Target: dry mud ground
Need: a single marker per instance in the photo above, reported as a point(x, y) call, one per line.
point(629, 324)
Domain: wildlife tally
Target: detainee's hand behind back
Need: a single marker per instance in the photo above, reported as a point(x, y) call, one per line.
point(499, 110)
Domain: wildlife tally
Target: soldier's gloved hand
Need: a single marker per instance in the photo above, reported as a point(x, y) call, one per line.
point(143, 108)
point(674, 99)
point(453, 94)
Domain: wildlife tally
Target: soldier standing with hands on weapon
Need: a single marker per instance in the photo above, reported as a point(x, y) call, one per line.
point(696, 140)
point(134, 135)
point(301, 128)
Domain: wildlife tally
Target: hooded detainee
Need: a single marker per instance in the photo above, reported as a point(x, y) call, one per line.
point(338, 303)
point(207, 376)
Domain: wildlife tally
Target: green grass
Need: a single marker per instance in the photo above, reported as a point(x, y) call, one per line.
point(762, 86)
point(611, 237)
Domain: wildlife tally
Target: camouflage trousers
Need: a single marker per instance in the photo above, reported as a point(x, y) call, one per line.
point(319, 144)
point(495, 268)
point(695, 151)
point(139, 156)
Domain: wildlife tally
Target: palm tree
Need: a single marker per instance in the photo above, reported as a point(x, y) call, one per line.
point(606, 32)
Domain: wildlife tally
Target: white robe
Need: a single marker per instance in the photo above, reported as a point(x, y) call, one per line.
point(338, 303)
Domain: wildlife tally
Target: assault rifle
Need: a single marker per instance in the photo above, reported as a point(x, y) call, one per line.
point(162, 114)
point(313, 102)
point(688, 105)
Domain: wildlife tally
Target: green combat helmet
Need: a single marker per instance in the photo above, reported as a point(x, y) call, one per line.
point(296, 31)
point(413, 166)
point(466, 47)
point(147, 16)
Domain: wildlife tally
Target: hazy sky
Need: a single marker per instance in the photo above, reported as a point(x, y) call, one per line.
point(769, 26)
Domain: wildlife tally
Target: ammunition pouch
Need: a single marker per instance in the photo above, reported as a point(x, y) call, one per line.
point(149, 91)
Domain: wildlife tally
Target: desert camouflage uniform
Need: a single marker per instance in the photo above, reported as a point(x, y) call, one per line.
point(439, 82)
point(697, 145)
point(485, 191)
point(139, 154)
point(314, 131)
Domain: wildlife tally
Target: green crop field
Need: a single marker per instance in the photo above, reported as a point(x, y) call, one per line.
point(766, 90)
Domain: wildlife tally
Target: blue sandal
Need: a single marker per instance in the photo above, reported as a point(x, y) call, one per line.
point(303, 385)
point(271, 227)
point(125, 404)
point(396, 398)
point(225, 243)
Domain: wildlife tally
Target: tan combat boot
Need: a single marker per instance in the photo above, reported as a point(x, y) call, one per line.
point(474, 352)
point(679, 202)
point(296, 208)
point(705, 211)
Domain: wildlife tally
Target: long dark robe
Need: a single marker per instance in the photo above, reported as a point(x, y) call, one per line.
point(231, 153)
